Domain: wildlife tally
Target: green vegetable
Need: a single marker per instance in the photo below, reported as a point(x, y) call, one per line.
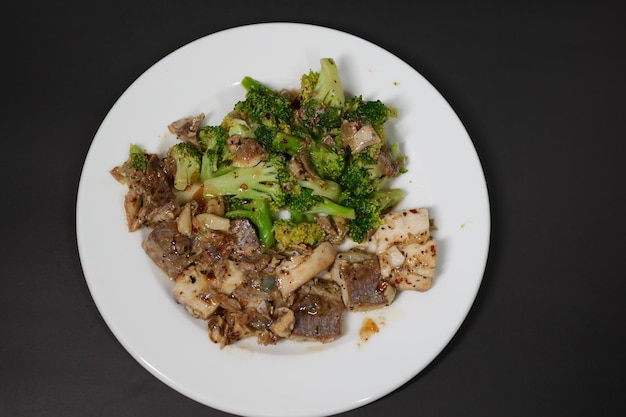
point(268, 111)
point(303, 203)
point(216, 155)
point(259, 181)
point(322, 100)
point(374, 113)
point(323, 188)
point(264, 105)
point(289, 233)
point(287, 143)
point(258, 211)
point(188, 161)
point(137, 158)
point(329, 162)
point(307, 171)
point(234, 124)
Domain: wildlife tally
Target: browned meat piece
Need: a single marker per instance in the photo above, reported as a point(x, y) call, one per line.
point(149, 199)
point(362, 285)
point(247, 152)
point(246, 241)
point(318, 310)
point(301, 167)
point(160, 201)
point(169, 250)
point(186, 129)
point(334, 227)
point(228, 327)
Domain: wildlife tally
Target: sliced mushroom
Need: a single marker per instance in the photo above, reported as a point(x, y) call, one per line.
point(297, 270)
point(361, 139)
point(283, 325)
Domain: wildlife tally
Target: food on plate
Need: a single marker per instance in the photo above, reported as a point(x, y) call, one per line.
point(280, 219)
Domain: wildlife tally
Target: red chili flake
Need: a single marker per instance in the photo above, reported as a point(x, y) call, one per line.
point(414, 211)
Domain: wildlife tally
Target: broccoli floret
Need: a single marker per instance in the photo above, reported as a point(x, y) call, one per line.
point(367, 219)
point(137, 158)
point(289, 233)
point(363, 191)
point(369, 210)
point(265, 136)
point(374, 113)
point(323, 188)
point(210, 136)
point(234, 124)
point(325, 85)
point(362, 175)
point(259, 181)
point(213, 142)
point(389, 198)
point(188, 161)
point(287, 143)
point(258, 211)
point(327, 161)
point(268, 110)
point(328, 207)
point(322, 99)
point(302, 204)
point(264, 105)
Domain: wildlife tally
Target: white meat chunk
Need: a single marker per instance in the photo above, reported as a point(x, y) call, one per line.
point(190, 289)
point(406, 250)
point(202, 290)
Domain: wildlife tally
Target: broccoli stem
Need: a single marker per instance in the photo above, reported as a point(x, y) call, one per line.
point(286, 143)
point(329, 85)
point(324, 188)
point(389, 198)
point(259, 213)
point(250, 83)
point(330, 208)
point(245, 182)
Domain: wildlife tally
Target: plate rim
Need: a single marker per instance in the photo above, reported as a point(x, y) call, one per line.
point(234, 409)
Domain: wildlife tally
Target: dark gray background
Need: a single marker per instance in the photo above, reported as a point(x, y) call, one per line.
point(540, 88)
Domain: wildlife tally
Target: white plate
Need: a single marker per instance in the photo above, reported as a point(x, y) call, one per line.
point(289, 379)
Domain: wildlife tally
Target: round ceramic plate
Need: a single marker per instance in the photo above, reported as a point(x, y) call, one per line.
point(133, 296)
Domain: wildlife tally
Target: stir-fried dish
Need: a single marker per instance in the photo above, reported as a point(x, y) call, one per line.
point(275, 222)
